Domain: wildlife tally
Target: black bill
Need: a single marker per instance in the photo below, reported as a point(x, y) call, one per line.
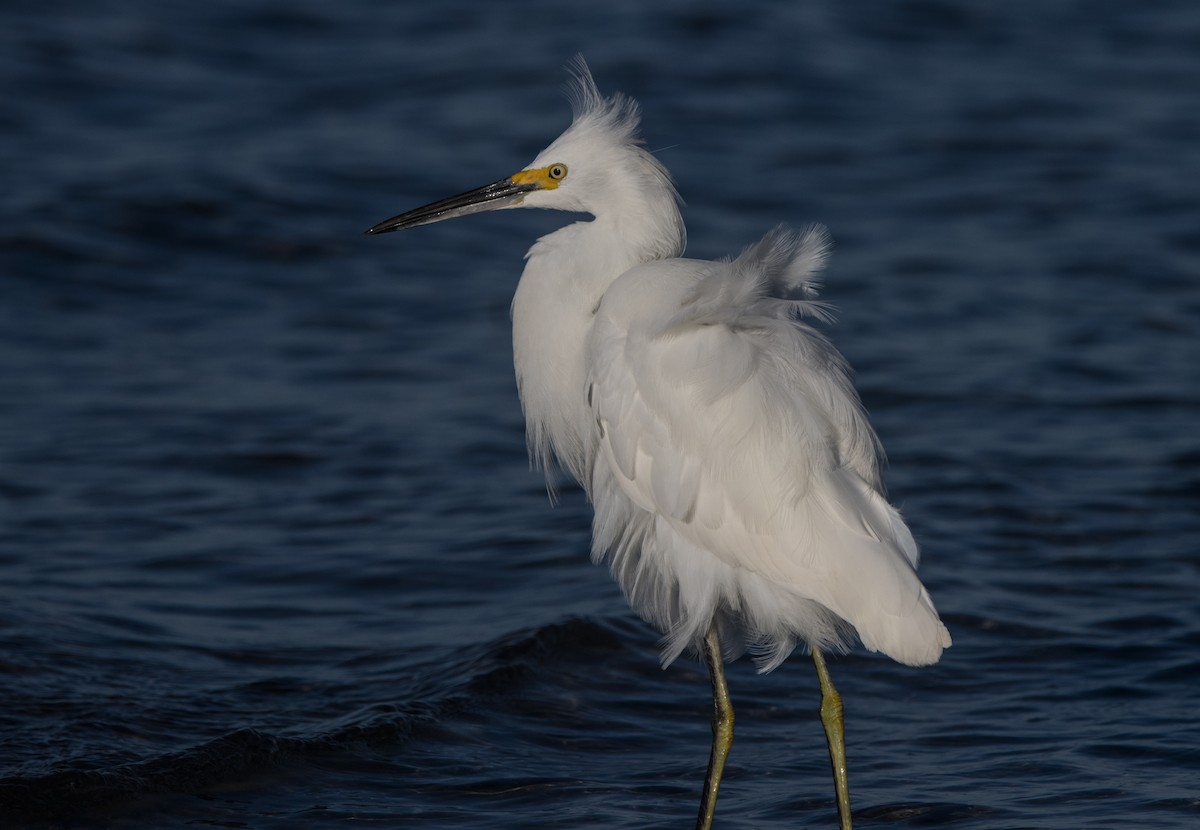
point(494, 196)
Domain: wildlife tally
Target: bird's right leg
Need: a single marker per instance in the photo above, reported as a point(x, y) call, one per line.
point(831, 719)
point(722, 728)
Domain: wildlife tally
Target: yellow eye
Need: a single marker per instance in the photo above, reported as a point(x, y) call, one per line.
point(558, 172)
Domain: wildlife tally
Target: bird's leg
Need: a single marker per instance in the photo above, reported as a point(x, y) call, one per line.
point(722, 728)
point(831, 719)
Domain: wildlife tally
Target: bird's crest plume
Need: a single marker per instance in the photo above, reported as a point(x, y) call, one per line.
point(618, 113)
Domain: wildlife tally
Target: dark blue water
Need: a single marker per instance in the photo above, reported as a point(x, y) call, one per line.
point(270, 553)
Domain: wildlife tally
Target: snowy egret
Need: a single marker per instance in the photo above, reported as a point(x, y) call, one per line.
point(733, 472)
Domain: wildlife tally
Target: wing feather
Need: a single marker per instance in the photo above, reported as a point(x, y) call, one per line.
point(732, 429)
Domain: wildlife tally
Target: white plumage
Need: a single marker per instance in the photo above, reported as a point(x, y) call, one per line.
point(734, 474)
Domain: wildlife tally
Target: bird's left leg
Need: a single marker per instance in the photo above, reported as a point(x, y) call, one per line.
point(722, 728)
point(831, 719)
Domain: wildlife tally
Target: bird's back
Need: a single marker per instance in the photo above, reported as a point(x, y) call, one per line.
point(735, 475)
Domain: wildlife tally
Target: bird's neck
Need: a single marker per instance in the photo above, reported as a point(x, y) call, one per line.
point(565, 278)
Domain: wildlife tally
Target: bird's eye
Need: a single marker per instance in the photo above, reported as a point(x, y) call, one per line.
point(558, 172)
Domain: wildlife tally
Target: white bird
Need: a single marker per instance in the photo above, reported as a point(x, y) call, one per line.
point(733, 472)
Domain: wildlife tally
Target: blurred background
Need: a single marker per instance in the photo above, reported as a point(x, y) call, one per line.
point(270, 552)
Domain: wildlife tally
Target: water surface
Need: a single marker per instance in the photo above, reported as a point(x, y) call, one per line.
point(270, 551)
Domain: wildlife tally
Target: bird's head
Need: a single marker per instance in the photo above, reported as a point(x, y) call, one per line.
point(597, 166)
